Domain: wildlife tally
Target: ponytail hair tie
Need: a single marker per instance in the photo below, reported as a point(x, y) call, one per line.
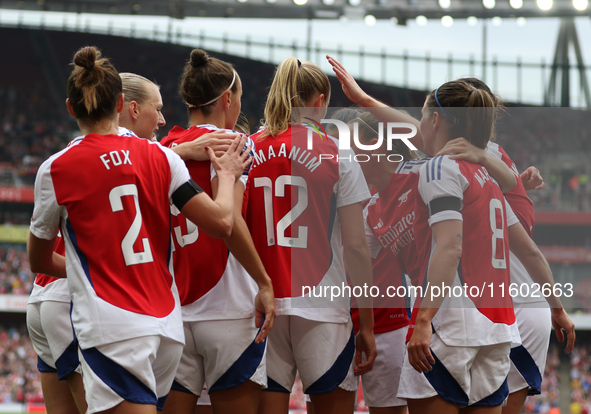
point(197, 63)
point(470, 94)
point(299, 64)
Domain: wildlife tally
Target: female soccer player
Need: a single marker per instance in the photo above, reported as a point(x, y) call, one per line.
point(298, 208)
point(48, 313)
point(224, 346)
point(380, 385)
point(470, 335)
point(98, 190)
point(534, 318)
point(142, 111)
point(534, 338)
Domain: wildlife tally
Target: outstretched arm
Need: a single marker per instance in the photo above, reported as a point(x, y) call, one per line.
point(380, 110)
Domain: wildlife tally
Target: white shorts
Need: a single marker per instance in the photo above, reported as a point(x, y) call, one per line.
point(221, 352)
point(322, 353)
point(529, 359)
point(50, 329)
point(204, 397)
point(380, 385)
point(138, 370)
point(464, 376)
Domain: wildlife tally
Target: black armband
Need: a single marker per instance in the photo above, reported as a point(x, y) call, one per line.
point(184, 193)
point(444, 203)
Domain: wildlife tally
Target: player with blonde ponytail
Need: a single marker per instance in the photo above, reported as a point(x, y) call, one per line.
point(296, 203)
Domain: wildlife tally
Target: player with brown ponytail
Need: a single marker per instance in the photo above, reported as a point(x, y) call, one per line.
point(223, 307)
point(109, 195)
point(458, 352)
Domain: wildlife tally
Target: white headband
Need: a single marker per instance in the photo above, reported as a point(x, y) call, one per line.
point(218, 97)
point(368, 125)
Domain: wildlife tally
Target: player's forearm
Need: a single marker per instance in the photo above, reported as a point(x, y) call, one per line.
point(499, 171)
point(358, 266)
point(242, 247)
point(43, 259)
point(442, 271)
point(366, 321)
point(530, 256)
point(187, 151)
point(385, 114)
point(224, 197)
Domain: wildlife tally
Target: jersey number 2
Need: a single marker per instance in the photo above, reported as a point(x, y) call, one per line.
point(280, 183)
point(131, 257)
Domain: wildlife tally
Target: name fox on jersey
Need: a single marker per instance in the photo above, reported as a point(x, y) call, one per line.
point(114, 158)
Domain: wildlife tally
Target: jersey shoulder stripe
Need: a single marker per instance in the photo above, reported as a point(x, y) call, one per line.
point(433, 168)
point(411, 166)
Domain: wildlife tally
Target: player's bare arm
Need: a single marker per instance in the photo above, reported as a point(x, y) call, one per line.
point(43, 259)
point(242, 248)
point(461, 149)
point(532, 179)
point(444, 263)
point(538, 268)
point(380, 110)
point(216, 217)
point(218, 141)
point(358, 265)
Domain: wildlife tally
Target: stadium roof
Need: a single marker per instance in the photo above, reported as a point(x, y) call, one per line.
point(311, 9)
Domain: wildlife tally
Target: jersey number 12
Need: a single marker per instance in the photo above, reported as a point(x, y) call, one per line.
point(280, 183)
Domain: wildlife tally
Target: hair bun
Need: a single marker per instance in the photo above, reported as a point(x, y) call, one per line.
point(199, 58)
point(86, 57)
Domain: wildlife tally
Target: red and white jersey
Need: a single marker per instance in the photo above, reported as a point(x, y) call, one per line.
point(468, 320)
point(292, 214)
point(524, 210)
point(392, 216)
point(390, 309)
point(211, 282)
point(521, 204)
point(111, 197)
point(386, 318)
point(53, 288)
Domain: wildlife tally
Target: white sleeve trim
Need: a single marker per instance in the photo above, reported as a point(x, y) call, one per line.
point(178, 170)
point(511, 217)
point(46, 213)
